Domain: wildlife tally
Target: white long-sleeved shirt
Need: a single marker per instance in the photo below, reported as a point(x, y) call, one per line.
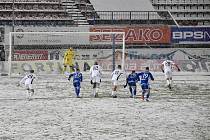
point(167, 65)
point(116, 74)
point(95, 71)
point(28, 79)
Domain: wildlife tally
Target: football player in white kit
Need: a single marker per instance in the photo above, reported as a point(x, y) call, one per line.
point(28, 83)
point(115, 77)
point(95, 77)
point(166, 68)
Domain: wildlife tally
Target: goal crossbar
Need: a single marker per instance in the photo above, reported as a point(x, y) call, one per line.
point(11, 42)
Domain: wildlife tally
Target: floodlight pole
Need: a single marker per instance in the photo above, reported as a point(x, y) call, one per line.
point(123, 52)
point(13, 15)
point(113, 52)
point(11, 38)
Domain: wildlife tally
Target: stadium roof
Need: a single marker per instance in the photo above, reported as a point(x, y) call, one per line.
point(122, 5)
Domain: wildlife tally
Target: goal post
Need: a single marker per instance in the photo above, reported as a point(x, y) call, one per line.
point(42, 51)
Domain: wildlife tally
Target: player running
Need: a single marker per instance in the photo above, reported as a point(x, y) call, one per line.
point(131, 81)
point(95, 78)
point(115, 77)
point(68, 60)
point(166, 68)
point(145, 77)
point(77, 79)
point(28, 83)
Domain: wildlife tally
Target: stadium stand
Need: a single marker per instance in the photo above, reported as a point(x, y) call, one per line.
point(120, 12)
point(85, 12)
point(34, 12)
point(186, 12)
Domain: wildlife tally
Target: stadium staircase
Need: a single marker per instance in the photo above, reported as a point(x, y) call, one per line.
point(73, 8)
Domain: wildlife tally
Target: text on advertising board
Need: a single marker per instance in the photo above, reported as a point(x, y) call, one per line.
point(191, 35)
point(137, 34)
point(25, 55)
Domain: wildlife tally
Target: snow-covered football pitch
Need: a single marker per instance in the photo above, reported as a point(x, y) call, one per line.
point(54, 113)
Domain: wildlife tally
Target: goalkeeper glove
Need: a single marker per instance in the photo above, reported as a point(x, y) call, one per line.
point(125, 86)
point(163, 71)
point(91, 82)
point(179, 69)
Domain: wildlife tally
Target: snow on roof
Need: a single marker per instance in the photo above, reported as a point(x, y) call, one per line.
point(122, 5)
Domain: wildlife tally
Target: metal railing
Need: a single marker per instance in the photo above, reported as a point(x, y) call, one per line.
point(129, 17)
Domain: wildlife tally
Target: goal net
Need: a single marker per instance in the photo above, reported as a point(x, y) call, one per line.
point(44, 51)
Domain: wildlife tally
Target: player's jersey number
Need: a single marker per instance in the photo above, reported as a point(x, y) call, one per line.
point(145, 76)
point(30, 76)
point(116, 72)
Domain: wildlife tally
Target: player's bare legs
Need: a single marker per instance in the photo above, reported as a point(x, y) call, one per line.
point(168, 76)
point(30, 93)
point(169, 82)
point(95, 89)
point(114, 90)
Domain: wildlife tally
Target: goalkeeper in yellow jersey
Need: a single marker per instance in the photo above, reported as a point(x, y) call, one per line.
point(68, 60)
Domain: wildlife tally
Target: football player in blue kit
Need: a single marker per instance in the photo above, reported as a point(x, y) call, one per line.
point(131, 81)
point(77, 79)
point(145, 77)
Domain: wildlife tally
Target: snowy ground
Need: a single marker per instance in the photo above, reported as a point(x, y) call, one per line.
point(54, 113)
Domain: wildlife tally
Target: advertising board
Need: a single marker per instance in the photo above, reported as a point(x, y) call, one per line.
point(30, 55)
point(190, 35)
point(135, 34)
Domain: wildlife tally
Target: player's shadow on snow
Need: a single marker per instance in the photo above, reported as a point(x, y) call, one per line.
point(61, 98)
